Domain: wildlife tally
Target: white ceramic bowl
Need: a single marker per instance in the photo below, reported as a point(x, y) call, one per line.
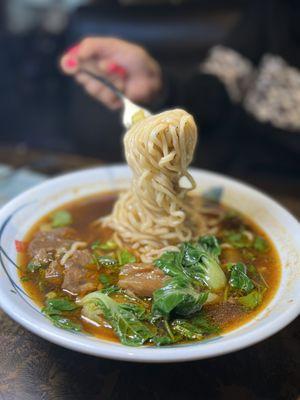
point(22, 212)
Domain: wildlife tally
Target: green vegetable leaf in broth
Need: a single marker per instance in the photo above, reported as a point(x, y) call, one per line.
point(56, 306)
point(260, 244)
point(163, 340)
point(195, 328)
point(170, 262)
point(61, 218)
point(124, 318)
point(186, 330)
point(237, 239)
point(107, 246)
point(34, 266)
point(64, 323)
point(252, 300)
point(239, 279)
point(61, 304)
point(104, 279)
point(201, 260)
point(125, 257)
point(196, 261)
point(179, 297)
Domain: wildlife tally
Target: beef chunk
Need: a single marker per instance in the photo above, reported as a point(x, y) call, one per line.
point(79, 257)
point(43, 257)
point(56, 239)
point(76, 280)
point(141, 279)
point(54, 273)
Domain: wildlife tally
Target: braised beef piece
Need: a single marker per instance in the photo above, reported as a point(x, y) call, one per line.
point(54, 273)
point(141, 279)
point(43, 257)
point(79, 257)
point(57, 239)
point(76, 280)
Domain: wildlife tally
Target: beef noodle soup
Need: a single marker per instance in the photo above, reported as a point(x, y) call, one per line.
point(156, 264)
point(247, 258)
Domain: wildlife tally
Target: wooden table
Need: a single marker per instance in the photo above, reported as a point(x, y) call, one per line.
point(34, 369)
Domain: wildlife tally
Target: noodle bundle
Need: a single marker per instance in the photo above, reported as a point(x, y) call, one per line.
point(156, 212)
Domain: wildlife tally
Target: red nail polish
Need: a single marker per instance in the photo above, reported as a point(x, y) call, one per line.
point(71, 63)
point(73, 50)
point(114, 68)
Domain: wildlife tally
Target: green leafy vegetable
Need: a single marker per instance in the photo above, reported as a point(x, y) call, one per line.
point(54, 310)
point(163, 340)
point(237, 239)
point(170, 262)
point(239, 279)
point(56, 306)
point(104, 280)
point(164, 335)
point(61, 218)
point(107, 261)
point(187, 330)
point(34, 265)
point(179, 297)
point(197, 261)
point(61, 304)
point(260, 244)
point(252, 300)
point(194, 328)
point(124, 318)
point(109, 245)
point(125, 257)
point(64, 323)
point(25, 278)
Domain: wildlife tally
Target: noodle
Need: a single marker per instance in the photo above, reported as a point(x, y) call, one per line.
point(156, 212)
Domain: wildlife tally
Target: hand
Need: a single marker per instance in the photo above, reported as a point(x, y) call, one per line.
point(128, 66)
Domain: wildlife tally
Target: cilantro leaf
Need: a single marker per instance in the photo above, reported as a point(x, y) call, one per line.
point(239, 279)
point(61, 218)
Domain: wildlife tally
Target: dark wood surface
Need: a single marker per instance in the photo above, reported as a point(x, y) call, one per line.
point(32, 368)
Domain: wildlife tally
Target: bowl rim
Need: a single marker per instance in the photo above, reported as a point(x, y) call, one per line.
point(151, 354)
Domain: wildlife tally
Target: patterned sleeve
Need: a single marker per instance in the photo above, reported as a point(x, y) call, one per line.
point(269, 92)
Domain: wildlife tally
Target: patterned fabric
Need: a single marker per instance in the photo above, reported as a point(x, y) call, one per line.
point(271, 93)
point(275, 95)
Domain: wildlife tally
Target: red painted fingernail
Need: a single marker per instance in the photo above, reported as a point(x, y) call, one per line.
point(114, 68)
point(73, 50)
point(71, 63)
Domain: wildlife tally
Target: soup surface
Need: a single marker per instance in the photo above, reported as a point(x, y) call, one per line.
point(84, 282)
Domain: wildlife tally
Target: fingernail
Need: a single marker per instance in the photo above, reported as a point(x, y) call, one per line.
point(73, 50)
point(114, 68)
point(71, 63)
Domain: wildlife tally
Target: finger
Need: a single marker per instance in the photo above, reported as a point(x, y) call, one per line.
point(142, 90)
point(99, 69)
point(108, 98)
point(100, 92)
point(95, 47)
point(82, 78)
point(107, 69)
point(69, 61)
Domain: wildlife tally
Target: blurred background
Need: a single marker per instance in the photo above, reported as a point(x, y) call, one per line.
point(49, 125)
